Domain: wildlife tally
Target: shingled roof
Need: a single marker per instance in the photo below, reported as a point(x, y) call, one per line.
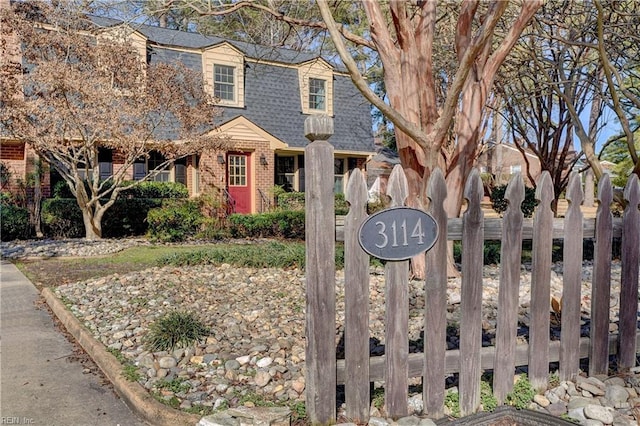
point(193, 40)
point(272, 92)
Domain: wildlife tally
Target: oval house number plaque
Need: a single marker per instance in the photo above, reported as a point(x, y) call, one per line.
point(398, 233)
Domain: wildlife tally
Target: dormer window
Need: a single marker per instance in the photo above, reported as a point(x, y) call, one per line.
point(317, 94)
point(223, 69)
point(316, 87)
point(223, 82)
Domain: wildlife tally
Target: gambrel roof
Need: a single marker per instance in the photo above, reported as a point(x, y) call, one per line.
point(272, 93)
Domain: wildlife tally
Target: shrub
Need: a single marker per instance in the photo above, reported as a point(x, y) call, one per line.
point(499, 203)
point(177, 329)
point(176, 220)
point(290, 200)
point(295, 201)
point(128, 217)
point(491, 252)
point(151, 189)
point(14, 220)
point(61, 190)
point(280, 224)
point(342, 207)
point(62, 218)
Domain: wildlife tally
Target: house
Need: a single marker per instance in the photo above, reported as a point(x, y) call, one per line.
point(501, 160)
point(265, 94)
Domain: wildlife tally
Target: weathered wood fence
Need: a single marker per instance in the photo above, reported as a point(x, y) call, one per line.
point(358, 369)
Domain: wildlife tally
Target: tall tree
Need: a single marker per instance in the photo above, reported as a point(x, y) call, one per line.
point(538, 81)
point(69, 90)
point(405, 36)
point(610, 30)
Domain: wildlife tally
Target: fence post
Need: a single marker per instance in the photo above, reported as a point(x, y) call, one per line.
point(320, 272)
point(601, 285)
point(571, 282)
point(435, 303)
point(629, 279)
point(356, 298)
point(510, 260)
point(471, 297)
point(541, 284)
point(396, 375)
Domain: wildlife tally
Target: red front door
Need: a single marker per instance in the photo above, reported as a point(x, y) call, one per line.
point(239, 180)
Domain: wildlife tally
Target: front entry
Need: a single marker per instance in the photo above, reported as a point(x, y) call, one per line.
point(239, 180)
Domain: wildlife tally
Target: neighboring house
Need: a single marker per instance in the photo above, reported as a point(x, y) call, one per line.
point(501, 160)
point(265, 94)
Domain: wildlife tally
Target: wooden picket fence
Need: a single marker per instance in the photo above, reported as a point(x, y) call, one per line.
point(395, 368)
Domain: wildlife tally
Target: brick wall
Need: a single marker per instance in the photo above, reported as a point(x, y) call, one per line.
point(12, 156)
point(213, 174)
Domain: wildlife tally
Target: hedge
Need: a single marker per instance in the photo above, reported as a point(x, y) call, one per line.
point(14, 222)
point(62, 218)
point(280, 224)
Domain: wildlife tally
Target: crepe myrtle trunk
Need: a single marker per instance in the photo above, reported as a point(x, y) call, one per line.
point(92, 214)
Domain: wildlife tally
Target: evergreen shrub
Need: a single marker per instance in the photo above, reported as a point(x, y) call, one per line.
point(176, 220)
point(14, 220)
point(499, 203)
point(279, 224)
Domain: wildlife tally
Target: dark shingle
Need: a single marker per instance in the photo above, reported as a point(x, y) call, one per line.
point(272, 93)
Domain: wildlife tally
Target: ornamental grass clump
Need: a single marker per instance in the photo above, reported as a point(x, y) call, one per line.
point(177, 329)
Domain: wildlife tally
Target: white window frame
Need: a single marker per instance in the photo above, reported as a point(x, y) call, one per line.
point(225, 84)
point(315, 95)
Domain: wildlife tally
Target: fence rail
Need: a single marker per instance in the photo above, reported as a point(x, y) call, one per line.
point(492, 228)
point(357, 370)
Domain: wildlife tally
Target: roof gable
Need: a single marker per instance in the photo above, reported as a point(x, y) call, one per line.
point(241, 128)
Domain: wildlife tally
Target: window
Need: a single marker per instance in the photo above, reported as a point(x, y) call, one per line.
point(142, 167)
point(154, 161)
point(105, 163)
point(285, 172)
point(516, 168)
point(317, 94)
point(223, 82)
point(237, 170)
point(180, 171)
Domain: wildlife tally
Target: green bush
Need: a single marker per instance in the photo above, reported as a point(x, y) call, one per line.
point(295, 201)
point(177, 329)
point(62, 218)
point(176, 220)
point(280, 224)
point(151, 189)
point(290, 201)
point(14, 221)
point(491, 253)
point(499, 203)
point(128, 217)
point(61, 190)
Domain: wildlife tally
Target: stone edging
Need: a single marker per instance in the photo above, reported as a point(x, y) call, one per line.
point(135, 396)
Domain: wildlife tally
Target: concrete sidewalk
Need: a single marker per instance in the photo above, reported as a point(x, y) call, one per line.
point(40, 384)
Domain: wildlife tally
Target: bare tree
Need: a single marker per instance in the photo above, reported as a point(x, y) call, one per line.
point(405, 36)
point(69, 89)
point(542, 76)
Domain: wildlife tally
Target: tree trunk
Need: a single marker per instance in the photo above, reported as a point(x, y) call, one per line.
point(37, 206)
point(92, 227)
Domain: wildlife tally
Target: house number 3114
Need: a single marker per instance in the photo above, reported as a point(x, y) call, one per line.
point(398, 233)
point(417, 232)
